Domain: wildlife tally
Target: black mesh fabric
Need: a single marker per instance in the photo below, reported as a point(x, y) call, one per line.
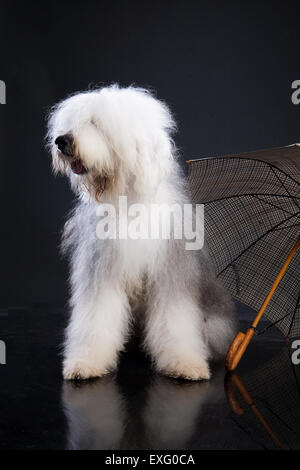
point(252, 221)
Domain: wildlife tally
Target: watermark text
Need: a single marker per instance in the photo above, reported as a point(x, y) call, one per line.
point(2, 92)
point(152, 222)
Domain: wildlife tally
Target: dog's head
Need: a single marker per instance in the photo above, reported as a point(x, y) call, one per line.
point(112, 139)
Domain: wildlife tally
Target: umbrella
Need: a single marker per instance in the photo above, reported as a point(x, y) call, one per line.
point(265, 402)
point(252, 232)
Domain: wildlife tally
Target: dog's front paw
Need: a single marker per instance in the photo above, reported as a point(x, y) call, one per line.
point(189, 371)
point(78, 369)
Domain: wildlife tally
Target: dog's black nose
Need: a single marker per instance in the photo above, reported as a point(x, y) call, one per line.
point(64, 144)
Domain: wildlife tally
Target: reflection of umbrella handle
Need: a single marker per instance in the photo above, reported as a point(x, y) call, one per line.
point(232, 379)
point(241, 341)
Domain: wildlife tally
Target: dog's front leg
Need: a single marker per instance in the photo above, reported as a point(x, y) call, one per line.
point(96, 333)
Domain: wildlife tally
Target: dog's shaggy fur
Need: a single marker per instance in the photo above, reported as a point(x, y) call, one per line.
point(119, 143)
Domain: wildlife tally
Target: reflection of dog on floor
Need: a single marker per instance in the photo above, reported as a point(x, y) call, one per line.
point(168, 414)
point(117, 142)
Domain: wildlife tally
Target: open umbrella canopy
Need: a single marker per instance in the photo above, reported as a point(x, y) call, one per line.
point(252, 220)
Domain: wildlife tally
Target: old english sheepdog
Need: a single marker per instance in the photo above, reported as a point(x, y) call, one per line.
point(113, 143)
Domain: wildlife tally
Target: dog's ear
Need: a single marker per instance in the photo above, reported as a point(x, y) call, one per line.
point(153, 163)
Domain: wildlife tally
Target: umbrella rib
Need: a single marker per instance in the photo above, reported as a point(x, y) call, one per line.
point(294, 372)
point(257, 196)
point(237, 277)
point(257, 240)
point(287, 226)
point(260, 332)
point(273, 205)
point(294, 314)
point(282, 184)
point(252, 195)
point(224, 158)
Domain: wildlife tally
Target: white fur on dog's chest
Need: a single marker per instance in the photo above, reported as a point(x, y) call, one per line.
point(138, 257)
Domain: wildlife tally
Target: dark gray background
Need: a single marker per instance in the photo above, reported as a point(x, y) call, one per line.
point(225, 68)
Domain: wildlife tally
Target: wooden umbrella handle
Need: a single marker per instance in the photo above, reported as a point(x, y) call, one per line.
point(241, 341)
point(237, 348)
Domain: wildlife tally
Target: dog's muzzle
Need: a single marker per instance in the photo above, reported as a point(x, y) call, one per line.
point(65, 145)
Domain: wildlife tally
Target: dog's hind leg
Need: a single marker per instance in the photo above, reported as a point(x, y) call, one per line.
point(221, 323)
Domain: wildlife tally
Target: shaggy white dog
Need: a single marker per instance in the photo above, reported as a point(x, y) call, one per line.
point(115, 142)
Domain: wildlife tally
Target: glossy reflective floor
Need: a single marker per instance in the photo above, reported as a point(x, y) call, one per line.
point(136, 408)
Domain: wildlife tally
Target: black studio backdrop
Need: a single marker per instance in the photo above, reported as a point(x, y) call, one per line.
point(225, 68)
